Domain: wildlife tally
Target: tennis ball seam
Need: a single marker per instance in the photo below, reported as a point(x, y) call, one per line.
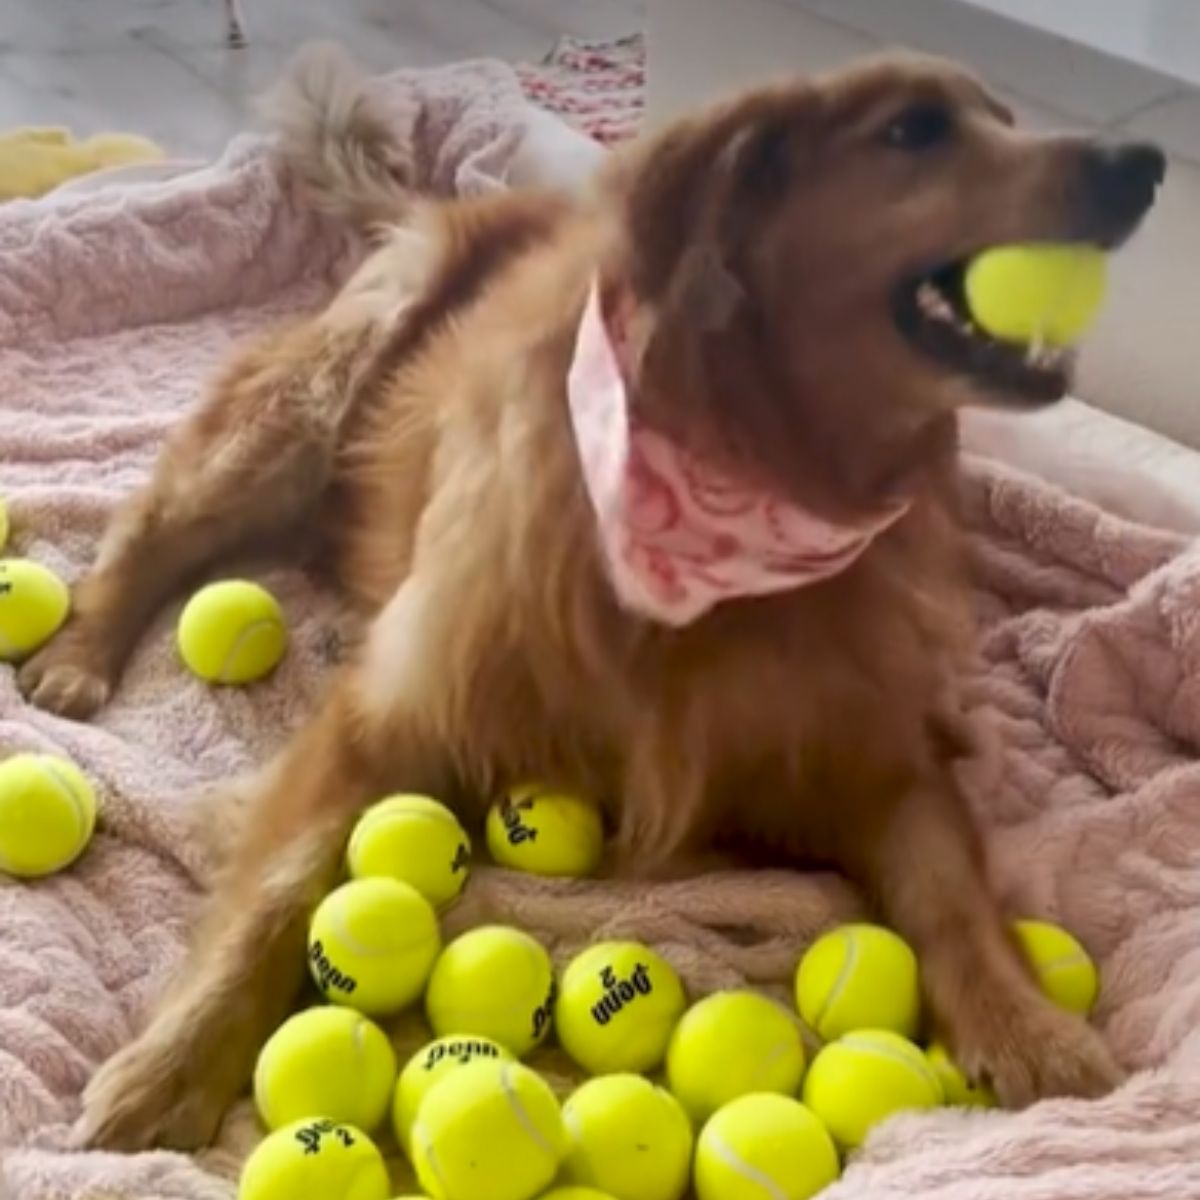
point(359, 1039)
point(62, 787)
point(370, 820)
point(916, 1060)
point(372, 824)
point(849, 962)
point(522, 1114)
point(429, 1153)
point(65, 783)
point(338, 919)
point(771, 1058)
point(223, 674)
point(577, 1147)
point(747, 1171)
point(1073, 959)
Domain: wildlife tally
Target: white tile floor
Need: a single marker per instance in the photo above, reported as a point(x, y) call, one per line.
point(162, 68)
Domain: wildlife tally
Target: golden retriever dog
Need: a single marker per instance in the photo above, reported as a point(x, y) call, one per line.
point(767, 295)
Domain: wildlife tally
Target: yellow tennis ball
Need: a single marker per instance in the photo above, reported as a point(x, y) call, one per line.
point(432, 1063)
point(232, 632)
point(491, 1130)
point(325, 1062)
point(957, 1089)
point(618, 1004)
point(859, 977)
point(1064, 970)
point(575, 1193)
point(864, 1078)
point(47, 814)
point(1031, 292)
point(764, 1146)
point(493, 982)
point(314, 1158)
point(372, 944)
point(545, 833)
point(627, 1138)
point(731, 1044)
point(34, 603)
point(413, 839)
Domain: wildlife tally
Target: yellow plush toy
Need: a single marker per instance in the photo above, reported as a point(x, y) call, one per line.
point(34, 161)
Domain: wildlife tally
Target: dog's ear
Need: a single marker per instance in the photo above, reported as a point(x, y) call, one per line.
point(760, 162)
point(704, 290)
point(700, 181)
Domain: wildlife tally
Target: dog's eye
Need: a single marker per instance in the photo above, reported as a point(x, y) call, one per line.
point(921, 127)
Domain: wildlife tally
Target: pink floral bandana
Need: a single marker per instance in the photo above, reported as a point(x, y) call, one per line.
point(679, 536)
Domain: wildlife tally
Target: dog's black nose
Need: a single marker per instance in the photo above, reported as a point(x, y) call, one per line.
point(1121, 180)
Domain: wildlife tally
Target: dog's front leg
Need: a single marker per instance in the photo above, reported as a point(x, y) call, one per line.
point(172, 1085)
point(918, 854)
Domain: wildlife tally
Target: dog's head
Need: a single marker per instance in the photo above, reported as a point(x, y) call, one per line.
point(773, 253)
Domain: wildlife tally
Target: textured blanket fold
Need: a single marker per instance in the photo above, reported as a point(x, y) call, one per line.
point(114, 308)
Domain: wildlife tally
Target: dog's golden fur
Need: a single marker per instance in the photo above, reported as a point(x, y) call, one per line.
point(420, 422)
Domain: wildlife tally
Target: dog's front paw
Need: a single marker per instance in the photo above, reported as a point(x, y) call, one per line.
point(66, 678)
point(145, 1096)
point(1037, 1053)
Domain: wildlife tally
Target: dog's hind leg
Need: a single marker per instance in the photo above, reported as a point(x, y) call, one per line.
point(244, 470)
point(244, 467)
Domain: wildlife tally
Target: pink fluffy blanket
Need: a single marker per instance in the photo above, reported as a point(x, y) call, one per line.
point(113, 310)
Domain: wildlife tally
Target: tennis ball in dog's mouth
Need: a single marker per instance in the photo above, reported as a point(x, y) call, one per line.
point(1037, 292)
point(232, 632)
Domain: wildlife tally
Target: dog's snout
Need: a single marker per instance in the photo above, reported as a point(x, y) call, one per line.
point(1121, 180)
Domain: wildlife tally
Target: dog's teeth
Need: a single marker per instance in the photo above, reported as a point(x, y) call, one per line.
point(930, 300)
point(1038, 354)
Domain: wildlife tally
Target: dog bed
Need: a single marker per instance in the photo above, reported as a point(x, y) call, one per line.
point(114, 309)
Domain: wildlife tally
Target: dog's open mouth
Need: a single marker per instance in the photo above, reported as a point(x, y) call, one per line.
point(931, 312)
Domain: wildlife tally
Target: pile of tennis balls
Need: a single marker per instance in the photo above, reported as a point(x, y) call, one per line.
point(739, 1113)
point(717, 1098)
